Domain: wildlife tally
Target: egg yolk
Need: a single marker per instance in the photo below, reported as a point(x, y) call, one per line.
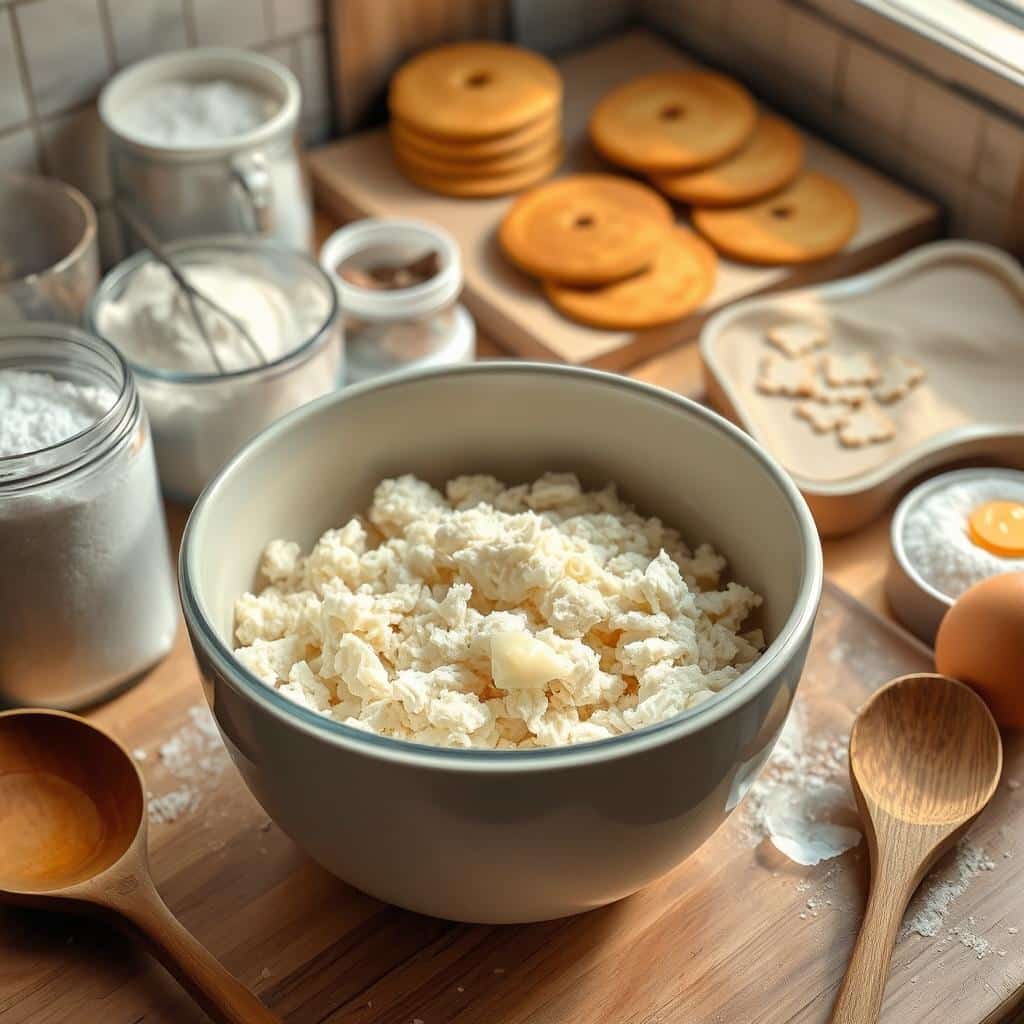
point(998, 526)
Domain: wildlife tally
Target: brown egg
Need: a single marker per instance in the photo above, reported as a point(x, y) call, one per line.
point(981, 642)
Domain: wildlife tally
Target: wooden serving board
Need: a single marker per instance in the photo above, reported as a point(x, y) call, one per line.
point(357, 177)
point(726, 937)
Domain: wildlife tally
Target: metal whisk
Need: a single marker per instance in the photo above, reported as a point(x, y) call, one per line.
point(193, 296)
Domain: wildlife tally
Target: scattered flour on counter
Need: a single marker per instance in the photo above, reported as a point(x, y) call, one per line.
point(802, 796)
point(967, 937)
point(171, 806)
point(942, 888)
point(195, 752)
point(195, 757)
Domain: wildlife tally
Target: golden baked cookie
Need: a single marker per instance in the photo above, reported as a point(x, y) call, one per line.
point(673, 121)
point(495, 167)
point(811, 218)
point(547, 128)
point(486, 185)
point(769, 160)
point(679, 279)
point(586, 229)
point(474, 90)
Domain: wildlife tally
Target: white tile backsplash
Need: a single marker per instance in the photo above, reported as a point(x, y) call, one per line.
point(1000, 166)
point(875, 88)
point(69, 48)
point(65, 50)
point(314, 76)
point(795, 56)
point(292, 17)
point(18, 151)
point(230, 22)
point(142, 28)
point(943, 126)
point(74, 149)
point(13, 106)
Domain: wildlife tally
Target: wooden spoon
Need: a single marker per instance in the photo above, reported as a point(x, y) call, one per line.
point(73, 837)
point(925, 759)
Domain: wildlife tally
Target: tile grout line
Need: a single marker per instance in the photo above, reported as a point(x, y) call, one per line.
point(26, 85)
point(188, 14)
point(107, 29)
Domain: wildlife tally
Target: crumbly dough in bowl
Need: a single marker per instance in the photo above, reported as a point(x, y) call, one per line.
point(497, 617)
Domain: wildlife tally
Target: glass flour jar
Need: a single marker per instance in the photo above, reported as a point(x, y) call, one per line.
point(388, 329)
point(87, 590)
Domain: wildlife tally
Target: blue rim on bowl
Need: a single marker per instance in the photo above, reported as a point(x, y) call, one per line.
point(794, 632)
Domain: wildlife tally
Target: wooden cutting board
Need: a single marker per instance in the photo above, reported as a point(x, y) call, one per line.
point(728, 937)
point(356, 177)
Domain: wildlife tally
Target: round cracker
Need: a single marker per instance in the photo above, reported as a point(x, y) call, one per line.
point(494, 168)
point(769, 160)
point(483, 187)
point(585, 229)
point(474, 90)
point(679, 279)
point(813, 217)
point(673, 121)
point(548, 127)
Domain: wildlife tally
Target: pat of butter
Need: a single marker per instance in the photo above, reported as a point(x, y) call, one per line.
point(521, 662)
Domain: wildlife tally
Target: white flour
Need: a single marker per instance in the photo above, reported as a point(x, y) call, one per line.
point(195, 758)
point(86, 594)
point(802, 801)
point(938, 892)
point(37, 411)
point(198, 426)
point(151, 322)
point(189, 114)
point(936, 538)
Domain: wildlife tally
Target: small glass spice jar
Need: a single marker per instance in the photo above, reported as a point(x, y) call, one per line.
point(391, 325)
point(87, 592)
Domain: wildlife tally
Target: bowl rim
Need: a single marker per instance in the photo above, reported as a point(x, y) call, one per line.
point(911, 500)
point(90, 226)
point(161, 68)
point(795, 631)
point(232, 244)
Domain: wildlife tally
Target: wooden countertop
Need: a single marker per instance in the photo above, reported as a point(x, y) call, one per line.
point(61, 970)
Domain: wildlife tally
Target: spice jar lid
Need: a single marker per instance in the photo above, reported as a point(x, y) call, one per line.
point(393, 240)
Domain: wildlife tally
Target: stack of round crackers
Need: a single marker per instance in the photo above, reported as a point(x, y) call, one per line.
point(476, 119)
point(608, 252)
point(700, 139)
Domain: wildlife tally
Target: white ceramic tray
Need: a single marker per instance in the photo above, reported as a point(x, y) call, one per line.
point(957, 308)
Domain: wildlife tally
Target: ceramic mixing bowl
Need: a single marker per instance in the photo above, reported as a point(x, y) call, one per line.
point(502, 836)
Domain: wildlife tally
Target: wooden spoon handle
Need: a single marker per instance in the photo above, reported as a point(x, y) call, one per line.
point(217, 991)
point(860, 995)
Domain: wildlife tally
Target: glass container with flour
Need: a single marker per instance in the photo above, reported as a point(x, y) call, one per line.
point(87, 598)
point(203, 142)
point(208, 396)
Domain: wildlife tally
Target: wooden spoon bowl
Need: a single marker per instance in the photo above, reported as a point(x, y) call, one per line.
point(73, 837)
point(925, 759)
point(70, 802)
point(926, 749)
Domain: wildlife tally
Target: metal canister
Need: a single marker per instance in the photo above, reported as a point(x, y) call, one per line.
point(251, 183)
